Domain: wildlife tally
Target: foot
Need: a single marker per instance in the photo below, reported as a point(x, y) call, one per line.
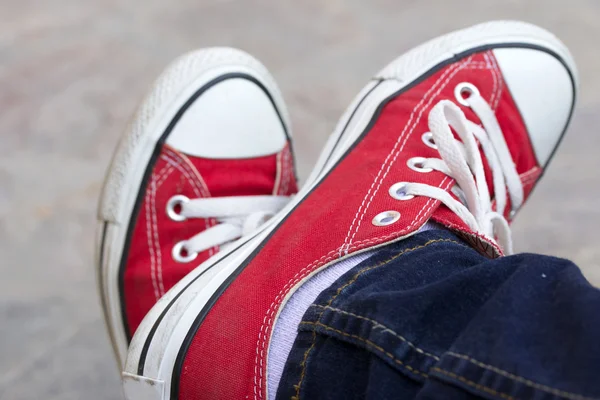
point(456, 131)
point(205, 161)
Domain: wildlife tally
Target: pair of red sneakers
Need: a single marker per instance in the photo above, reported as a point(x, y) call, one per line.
point(201, 238)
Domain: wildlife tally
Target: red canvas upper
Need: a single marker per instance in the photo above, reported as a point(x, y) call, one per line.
point(150, 270)
point(227, 357)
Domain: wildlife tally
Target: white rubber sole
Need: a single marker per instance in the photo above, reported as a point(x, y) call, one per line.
point(174, 88)
point(154, 350)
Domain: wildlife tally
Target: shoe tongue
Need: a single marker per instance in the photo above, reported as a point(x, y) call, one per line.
point(484, 245)
point(459, 195)
point(444, 216)
point(248, 176)
point(235, 177)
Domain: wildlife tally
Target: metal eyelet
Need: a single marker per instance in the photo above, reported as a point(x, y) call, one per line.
point(176, 202)
point(428, 140)
point(398, 191)
point(181, 254)
point(463, 91)
point(416, 164)
point(386, 218)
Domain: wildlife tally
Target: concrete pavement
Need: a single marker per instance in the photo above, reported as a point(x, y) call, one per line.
point(72, 72)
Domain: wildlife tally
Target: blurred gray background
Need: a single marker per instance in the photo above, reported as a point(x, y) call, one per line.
point(72, 72)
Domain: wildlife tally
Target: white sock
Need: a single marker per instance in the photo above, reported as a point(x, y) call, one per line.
point(286, 326)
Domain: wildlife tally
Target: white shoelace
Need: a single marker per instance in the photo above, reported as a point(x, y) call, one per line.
point(237, 216)
point(462, 161)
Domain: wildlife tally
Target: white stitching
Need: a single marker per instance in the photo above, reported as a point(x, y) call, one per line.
point(165, 170)
point(150, 242)
point(163, 177)
point(385, 161)
point(477, 67)
point(187, 164)
point(156, 241)
point(278, 175)
point(530, 177)
point(197, 189)
point(500, 82)
point(487, 60)
point(286, 171)
point(532, 171)
point(150, 227)
point(431, 203)
point(181, 165)
point(529, 182)
point(261, 342)
point(290, 170)
point(395, 152)
point(478, 64)
point(184, 163)
point(495, 79)
point(266, 325)
point(421, 107)
point(180, 168)
point(155, 184)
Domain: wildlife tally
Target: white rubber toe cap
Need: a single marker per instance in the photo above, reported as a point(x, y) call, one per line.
point(235, 118)
point(544, 91)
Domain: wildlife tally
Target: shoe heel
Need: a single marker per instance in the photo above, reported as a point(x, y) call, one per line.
point(141, 388)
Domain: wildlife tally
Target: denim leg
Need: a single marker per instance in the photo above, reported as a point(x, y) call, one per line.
point(430, 318)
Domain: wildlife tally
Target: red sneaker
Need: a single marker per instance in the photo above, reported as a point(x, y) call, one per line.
point(505, 90)
point(205, 161)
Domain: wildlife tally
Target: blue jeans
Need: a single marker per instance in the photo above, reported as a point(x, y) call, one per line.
point(430, 318)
